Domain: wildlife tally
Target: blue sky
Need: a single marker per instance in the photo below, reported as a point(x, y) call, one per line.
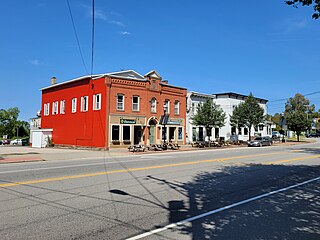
point(269, 49)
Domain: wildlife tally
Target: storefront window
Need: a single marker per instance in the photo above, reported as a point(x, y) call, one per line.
point(194, 134)
point(180, 133)
point(115, 132)
point(216, 133)
point(126, 133)
point(233, 130)
point(164, 133)
point(172, 133)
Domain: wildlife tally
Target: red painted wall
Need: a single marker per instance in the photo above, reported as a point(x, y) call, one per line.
point(163, 92)
point(79, 128)
point(91, 128)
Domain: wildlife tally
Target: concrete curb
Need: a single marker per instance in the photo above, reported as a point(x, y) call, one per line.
point(19, 160)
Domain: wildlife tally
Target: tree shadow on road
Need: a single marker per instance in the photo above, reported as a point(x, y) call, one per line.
point(310, 150)
point(292, 214)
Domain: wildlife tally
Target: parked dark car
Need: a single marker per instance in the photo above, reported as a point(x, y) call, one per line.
point(260, 141)
point(313, 135)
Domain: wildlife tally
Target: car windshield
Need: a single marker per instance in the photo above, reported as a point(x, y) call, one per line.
point(258, 138)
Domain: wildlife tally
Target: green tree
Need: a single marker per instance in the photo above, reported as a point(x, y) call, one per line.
point(210, 116)
point(8, 121)
point(247, 114)
point(314, 114)
point(314, 3)
point(22, 129)
point(276, 120)
point(296, 114)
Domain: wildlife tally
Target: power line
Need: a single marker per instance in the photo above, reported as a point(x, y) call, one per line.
point(308, 94)
point(92, 38)
point(75, 32)
point(284, 99)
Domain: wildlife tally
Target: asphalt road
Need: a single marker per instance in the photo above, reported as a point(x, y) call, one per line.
point(247, 193)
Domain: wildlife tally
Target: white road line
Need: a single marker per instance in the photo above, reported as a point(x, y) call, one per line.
point(173, 225)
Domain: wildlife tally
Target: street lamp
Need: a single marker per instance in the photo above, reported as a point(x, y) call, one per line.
point(282, 123)
point(164, 125)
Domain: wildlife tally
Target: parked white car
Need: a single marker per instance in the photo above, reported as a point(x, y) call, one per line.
point(276, 135)
point(16, 142)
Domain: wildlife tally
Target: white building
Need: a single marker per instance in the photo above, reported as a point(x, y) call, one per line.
point(35, 124)
point(227, 101)
point(196, 133)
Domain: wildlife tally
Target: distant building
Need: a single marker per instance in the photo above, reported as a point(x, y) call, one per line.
point(196, 133)
point(35, 124)
point(227, 101)
point(114, 110)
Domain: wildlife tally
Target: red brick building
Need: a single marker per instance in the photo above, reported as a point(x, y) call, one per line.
point(114, 109)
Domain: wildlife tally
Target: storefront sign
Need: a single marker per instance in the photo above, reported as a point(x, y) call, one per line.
point(174, 122)
point(127, 121)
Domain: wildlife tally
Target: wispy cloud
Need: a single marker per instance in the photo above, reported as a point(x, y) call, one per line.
point(99, 14)
point(292, 25)
point(110, 17)
point(125, 33)
point(117, 23)
point(35, 62)
point(115, 14)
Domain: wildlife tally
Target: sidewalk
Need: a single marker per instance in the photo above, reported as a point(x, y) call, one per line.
point(18, 154)
point(15, 154)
